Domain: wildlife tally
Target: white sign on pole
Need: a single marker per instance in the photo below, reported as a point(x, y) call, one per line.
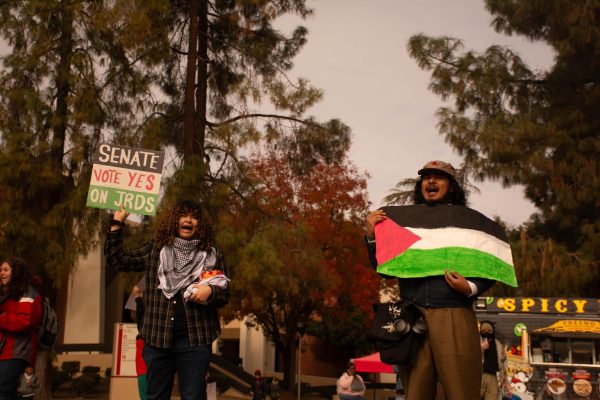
point(124, 350)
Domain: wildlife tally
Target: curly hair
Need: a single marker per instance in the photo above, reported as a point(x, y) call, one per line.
point(169, 224)
point(457, 194)
point(20, 277)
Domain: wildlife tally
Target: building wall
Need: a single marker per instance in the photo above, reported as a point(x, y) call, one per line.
point(85, 302)
point(255, 351)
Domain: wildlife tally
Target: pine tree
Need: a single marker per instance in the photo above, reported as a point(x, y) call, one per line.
point(227, 63)
point(79, 73)
point(189, 77)
point(68, 83)
point(64, 84)
point(534, 128)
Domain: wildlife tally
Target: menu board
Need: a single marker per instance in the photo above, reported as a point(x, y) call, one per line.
point(572, 384)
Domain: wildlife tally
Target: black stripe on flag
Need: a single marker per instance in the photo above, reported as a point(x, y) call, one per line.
point(444, 216)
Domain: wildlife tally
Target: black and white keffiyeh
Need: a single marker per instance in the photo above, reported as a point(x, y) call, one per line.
point(181, 264)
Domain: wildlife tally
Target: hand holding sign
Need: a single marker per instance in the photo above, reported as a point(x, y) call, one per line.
point(121, 215)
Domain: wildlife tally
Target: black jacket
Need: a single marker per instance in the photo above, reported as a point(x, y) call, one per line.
point(433, 291)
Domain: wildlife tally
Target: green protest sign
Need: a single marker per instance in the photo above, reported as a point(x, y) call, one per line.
point(125, 176)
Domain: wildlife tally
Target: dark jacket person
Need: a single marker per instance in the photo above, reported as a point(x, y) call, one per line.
point(451, 351)
point(177, 332)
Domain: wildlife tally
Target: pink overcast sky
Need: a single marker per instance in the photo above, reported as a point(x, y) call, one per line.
point(356, 53)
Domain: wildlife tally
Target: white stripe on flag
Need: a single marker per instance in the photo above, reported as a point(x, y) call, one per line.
point(459, 237)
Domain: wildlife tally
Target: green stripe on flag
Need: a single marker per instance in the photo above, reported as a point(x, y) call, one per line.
point(416, 263)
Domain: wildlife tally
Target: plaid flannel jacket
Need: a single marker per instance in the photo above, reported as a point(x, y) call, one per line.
point(157, 327)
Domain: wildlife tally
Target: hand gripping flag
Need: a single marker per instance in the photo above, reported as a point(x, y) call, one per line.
point(422, 240)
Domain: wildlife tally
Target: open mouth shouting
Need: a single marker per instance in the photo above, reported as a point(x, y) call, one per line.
point(188, 226)
point(432, 193)
point(434, 188)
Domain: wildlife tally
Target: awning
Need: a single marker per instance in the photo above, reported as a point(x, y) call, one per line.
point(372, 363)
point(571, 326)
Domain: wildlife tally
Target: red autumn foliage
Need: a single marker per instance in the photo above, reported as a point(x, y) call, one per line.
point(329, 204)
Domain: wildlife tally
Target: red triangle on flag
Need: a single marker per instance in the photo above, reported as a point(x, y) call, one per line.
point(392, 240)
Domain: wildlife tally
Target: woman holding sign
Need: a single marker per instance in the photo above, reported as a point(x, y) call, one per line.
point(177, 331)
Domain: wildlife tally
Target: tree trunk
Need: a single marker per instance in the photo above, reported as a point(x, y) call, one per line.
point(202, 89)
point(290, 364)
point(63, 87)
point(43, 370)
point(189, 106)
point(58, 191)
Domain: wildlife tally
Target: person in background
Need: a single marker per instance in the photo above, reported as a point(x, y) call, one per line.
point(399, 389)
point(274, 391)
point(135, 304)
point(494, 362)
point(259, 386)
point(28, 383)
point(451, 351)
point(20, 316)
point(350, 386)
point(177, 332)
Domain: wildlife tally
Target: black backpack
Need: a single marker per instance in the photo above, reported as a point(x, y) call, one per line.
point(398, 330)
point(47, 334)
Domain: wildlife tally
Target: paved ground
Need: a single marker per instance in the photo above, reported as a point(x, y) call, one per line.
point(63, 395)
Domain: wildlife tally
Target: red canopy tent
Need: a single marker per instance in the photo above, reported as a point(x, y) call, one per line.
point(372, 363)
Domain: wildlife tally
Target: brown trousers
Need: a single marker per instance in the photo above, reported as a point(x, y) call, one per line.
point(489, 387)
point(450, 354)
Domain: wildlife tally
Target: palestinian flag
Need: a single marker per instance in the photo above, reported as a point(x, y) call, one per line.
point(422, 240)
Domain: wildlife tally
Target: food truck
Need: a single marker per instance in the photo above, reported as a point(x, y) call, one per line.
point(552, 345)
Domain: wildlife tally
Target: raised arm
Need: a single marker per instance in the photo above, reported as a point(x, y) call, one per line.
point(116, 257)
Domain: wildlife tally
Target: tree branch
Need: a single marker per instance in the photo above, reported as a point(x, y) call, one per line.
point(260, 115)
